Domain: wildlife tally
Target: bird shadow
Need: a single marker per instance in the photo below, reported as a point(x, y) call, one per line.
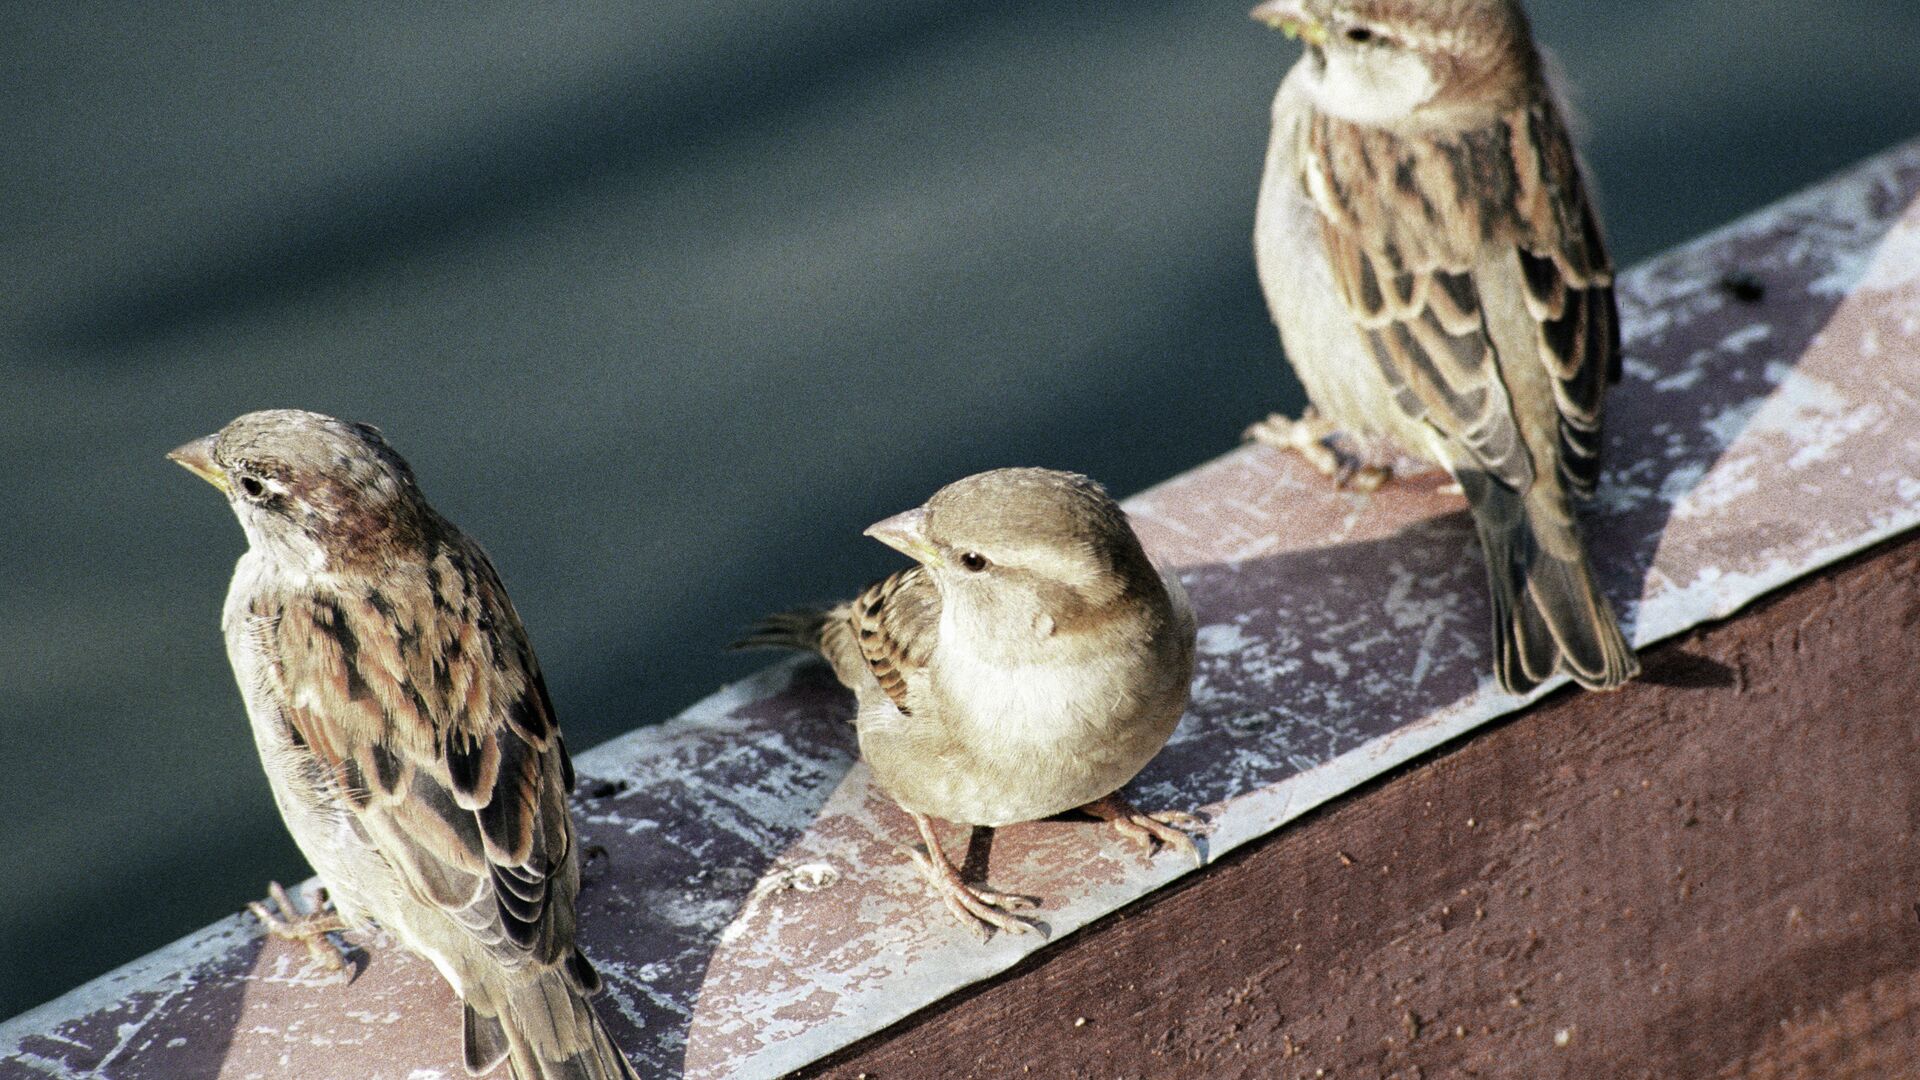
point(1687, 671)
point(182, 1028)
point(686, 857)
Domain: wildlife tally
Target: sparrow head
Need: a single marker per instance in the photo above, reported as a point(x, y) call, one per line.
point(309, 490)
point(1388, 61)
point(1023, 550)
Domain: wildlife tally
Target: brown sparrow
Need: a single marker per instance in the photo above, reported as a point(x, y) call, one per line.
point(1440, 283)
point(1032, 663)
point(406, 733)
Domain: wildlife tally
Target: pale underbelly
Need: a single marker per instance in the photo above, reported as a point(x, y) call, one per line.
point(1005, 782)
point(1325, 347)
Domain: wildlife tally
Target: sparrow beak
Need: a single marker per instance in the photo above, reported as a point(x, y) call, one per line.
point(197, 458)
point(1290, 18)
point(907, 534)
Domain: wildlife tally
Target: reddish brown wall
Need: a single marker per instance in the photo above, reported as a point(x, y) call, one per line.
point(1709, 873)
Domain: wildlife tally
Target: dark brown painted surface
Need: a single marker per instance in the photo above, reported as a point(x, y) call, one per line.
point(1710, 873)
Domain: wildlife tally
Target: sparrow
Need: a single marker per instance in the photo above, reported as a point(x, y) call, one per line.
point(406, 733)
point(1030, 663)
point(1442, 288)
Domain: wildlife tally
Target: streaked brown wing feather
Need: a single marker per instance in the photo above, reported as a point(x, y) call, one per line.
point(1569, 279)
point(894, 626)
point(1408, 221)
point(425, 702)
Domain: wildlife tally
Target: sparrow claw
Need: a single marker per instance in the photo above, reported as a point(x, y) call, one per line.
point(979, 909)
point(982, 911)
point(1306, 436)
point(1182, 820)
point(976, 907)
point(1317, 440)
point(1355, 476)
point(1171, 828)
point(310, 929)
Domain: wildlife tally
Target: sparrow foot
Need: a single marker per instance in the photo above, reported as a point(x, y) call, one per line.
point(1173, 828)
point(1316, 439)
point(979, 909)
point(310, 929)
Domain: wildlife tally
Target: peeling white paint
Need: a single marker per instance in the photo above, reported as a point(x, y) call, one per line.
point(1741, 340)
point(1221, 639)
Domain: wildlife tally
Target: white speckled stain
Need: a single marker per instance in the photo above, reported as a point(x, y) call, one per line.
point(1221, 639)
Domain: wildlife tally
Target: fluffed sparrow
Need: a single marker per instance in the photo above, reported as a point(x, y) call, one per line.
point(406, 732)
point(1032, 663)
point(1441, 286)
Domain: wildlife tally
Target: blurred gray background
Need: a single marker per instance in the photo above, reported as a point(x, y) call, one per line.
point(665, 302)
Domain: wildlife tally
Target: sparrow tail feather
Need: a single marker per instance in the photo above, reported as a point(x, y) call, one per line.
point(801, 630)
point(547, 1030)
point(483, 1040)
point(1548, 612)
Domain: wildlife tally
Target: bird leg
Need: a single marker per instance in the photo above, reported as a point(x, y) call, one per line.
point(1169, 827)
point(310, 929)
point(977, 908)
point(1315, 438)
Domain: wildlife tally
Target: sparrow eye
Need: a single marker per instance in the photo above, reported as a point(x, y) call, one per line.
point(973, 561)
point(251, 487)
point(1359, 35)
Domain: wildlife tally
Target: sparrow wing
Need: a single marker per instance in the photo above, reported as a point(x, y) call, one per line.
point(887, 635)
point(1569, 287)
point(426, 714)
point(1408, 224)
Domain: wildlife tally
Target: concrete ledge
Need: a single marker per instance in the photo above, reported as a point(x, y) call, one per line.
point(752, 912)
